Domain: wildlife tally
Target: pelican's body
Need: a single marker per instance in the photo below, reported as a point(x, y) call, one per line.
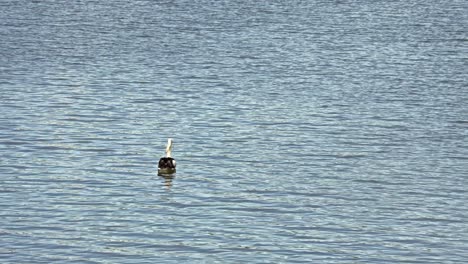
point(167, 165)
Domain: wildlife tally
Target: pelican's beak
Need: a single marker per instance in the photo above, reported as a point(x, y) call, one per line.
point(169, 148)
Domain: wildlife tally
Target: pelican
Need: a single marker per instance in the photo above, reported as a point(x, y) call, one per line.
point(167, 165)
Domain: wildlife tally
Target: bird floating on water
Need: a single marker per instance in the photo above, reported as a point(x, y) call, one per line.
point(167, 165)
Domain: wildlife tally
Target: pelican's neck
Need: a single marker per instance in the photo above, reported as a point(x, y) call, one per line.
point(169, 148)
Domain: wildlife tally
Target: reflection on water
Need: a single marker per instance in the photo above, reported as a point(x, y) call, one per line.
point(168, 178)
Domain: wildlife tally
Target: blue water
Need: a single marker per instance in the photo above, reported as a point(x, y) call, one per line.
point(304, 131)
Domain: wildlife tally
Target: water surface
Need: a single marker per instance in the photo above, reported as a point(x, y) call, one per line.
point(307, 131)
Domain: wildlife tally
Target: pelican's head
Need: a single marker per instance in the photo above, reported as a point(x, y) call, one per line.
point(169, 147)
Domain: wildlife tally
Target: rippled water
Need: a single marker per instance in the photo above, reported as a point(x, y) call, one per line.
point(306, 131)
